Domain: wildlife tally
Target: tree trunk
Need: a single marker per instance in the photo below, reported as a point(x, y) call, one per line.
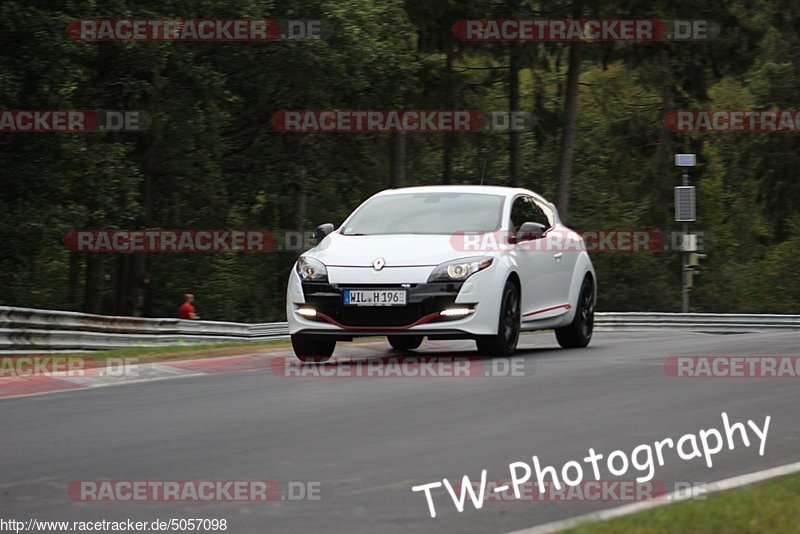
point(95, 280)
point(570, 122)
point(73, 280)
point(137, 279)
point(447, 145)
point(664, 140)
point(121, 276)
point(397, 176)
point(447, 140)
point(514, 159)
point(137, 285)
point(299, 203)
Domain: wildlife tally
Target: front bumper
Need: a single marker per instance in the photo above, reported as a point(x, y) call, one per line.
point(420, 316)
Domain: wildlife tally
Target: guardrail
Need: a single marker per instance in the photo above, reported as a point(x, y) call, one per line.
point(696, 322)
point(28, 329)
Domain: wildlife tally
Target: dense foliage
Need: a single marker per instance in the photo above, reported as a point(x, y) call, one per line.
point(212, 160)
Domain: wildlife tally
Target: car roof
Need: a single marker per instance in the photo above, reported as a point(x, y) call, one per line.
point(475, 189)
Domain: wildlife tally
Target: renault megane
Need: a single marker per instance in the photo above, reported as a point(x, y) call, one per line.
point(443, 262)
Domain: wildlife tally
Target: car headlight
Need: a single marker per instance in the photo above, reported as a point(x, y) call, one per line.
point(311, 270)
point(458, 270)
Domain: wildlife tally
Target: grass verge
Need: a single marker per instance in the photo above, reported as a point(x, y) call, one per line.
point(183, 351)
point(770, 506)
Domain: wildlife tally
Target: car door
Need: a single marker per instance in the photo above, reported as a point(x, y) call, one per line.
point(537, 268)
point(563, 250)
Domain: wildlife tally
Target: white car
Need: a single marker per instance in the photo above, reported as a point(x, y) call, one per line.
point(443, 262)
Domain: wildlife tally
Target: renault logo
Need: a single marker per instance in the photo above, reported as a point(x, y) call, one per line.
point(378, 263)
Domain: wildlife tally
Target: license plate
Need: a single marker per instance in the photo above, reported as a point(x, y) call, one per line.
point(375, 297)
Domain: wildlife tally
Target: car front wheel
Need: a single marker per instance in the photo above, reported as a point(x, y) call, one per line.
point(579, 332)
point(504, 343)
point(312, 348)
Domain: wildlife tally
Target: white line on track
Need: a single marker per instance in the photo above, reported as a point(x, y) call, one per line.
point(682, 495)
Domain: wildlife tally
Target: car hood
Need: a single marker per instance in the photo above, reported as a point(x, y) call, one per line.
point(401, 250)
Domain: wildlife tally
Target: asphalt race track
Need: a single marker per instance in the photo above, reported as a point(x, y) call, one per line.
point(367, 441)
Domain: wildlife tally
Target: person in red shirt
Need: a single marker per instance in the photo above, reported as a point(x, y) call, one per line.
point(186, 310)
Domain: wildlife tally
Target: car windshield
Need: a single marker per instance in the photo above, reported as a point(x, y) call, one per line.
point(427, 213)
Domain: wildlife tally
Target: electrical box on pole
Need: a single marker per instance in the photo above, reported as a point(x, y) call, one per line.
point(685, 203)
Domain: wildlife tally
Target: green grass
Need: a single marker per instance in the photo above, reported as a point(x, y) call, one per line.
point(772, 506)
point(129, 352)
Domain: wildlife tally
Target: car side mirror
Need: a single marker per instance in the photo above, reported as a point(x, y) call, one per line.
point(529, 231)
point(323, 230)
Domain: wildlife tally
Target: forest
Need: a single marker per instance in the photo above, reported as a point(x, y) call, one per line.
point(597, 144)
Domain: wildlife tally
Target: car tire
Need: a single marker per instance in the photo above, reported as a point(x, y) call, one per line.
point(504, 343)
point(405, 342)
point(311, 348)
point(579, 332)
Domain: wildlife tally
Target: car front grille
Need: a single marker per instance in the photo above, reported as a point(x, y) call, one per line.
point(422, 300)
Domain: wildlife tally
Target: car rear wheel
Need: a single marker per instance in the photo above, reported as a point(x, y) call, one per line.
point(579, 332)
point(312, 348)
point(504, 343)
point(405, 342)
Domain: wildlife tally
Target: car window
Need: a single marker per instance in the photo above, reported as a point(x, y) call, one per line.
point(548, 213)
point(427, 213)
point(525, 210)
